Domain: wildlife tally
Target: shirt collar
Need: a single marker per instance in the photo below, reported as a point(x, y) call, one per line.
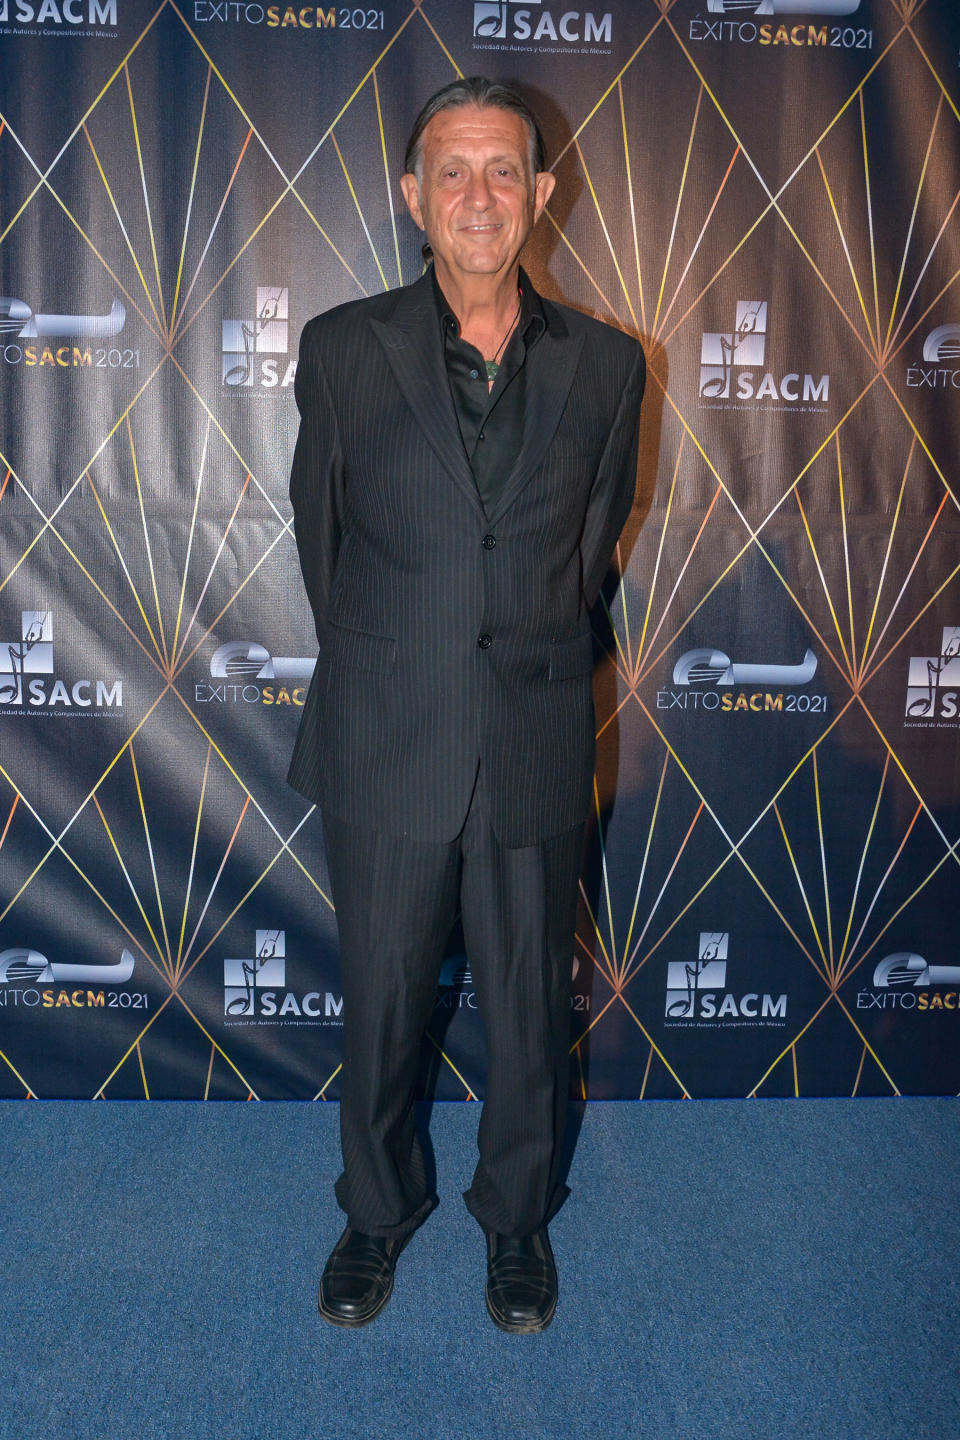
point(531, 310)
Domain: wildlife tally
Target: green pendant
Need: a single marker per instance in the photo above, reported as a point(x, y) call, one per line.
point(492, 368)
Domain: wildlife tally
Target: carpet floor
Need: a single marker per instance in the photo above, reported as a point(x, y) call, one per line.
point(729, 1270)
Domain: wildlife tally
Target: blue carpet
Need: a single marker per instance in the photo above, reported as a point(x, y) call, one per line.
point(729, 1270)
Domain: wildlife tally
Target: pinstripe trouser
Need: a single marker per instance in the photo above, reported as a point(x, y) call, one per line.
point(396, 902)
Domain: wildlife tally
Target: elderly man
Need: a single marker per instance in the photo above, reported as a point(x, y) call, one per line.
point(465, 463)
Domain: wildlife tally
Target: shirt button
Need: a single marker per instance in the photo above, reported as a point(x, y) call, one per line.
point(488, 542)
point(474, 374)
point(481, 436)
point(485, 642)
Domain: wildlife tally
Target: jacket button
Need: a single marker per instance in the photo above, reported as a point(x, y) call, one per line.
point(488, 542)
point(485, 642)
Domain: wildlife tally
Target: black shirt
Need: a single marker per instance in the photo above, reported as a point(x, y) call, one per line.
point(490, 418)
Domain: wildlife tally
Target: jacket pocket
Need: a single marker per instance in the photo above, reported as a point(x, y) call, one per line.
point(361, 650)
point(572, 659)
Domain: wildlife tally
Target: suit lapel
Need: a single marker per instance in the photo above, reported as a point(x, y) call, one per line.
point(550, 365)
point(413, 346)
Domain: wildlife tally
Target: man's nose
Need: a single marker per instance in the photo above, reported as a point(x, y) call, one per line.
point(479, 196)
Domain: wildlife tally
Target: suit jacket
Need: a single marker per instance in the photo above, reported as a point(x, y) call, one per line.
point(449, 636)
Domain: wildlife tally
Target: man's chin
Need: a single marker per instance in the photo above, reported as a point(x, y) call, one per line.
point(482, 261)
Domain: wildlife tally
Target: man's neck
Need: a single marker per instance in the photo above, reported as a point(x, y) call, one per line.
point(485, 305)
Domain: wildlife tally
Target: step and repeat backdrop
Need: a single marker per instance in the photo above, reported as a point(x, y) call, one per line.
point(764, 191)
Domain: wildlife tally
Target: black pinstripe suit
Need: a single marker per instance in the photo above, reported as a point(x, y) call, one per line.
point(451, 640)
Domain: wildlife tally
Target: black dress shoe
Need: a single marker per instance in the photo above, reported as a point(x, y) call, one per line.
point(358, 1278)
point(521, 1282)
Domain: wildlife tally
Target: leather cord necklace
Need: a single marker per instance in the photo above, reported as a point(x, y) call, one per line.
point(493, 365)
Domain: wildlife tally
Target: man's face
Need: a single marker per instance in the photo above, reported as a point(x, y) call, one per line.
point(477, 199)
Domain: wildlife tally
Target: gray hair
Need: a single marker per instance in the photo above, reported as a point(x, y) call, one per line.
point(476, 90)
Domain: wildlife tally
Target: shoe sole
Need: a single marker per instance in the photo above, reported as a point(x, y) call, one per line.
point(350, 1322)
point(513, 1327)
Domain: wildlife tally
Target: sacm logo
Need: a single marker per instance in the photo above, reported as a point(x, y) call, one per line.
point(27, 676)
point(707, 679)
point(243, 342)
point(527, 20)
point(455, 989)
point(941, 346)
point(713, 667)
point(18, 319)
point(904, 968)
point(697, 990)
point(22, 966)
point(904, 981)
point(735, 358)
point(31, 982)
point(255, 989)
point(241, 666)
point(783, 7)
point(933, 683)
point(95, 14)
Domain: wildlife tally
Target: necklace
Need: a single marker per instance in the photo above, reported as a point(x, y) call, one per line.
point(493, 365)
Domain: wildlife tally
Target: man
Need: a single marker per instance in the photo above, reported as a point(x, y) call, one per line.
point(465, 463)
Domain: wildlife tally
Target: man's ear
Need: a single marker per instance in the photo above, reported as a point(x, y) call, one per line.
point(542, 190)
point(411, 193)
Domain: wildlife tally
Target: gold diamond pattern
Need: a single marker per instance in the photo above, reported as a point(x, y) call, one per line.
point(635, 261)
